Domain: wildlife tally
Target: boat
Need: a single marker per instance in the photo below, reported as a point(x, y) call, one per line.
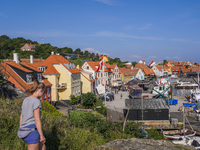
point(189, 141)
point(179, 134)
point(195, 94)
point(186, 85)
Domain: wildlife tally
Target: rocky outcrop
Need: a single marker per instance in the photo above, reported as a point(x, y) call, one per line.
point(9, 91)
point(141, 144)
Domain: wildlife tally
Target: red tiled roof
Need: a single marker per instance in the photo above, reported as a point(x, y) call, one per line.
point(94, 65)
point(159, 67)
point(128, 72)
point(149, 71)
point(141, 66)
point(29, 65)
point(22, 84)
point(16, 65)
point(55, 59)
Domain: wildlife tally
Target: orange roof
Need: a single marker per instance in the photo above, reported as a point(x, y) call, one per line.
point(55, 59)
point(159, 67)
point(191, 62)
point(180, 63)
point(16, 65)
point(128, 72)
point(177, 67)
point(94, 65)
point(151, 63)
point(195, 69)
point(141, 66)
point(29, 65)
point(149, 71)
point(22, 84)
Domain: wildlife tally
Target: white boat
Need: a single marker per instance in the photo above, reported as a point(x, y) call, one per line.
point(189, 141)
point(195, 94)
point(179, 134)
point(186, 85)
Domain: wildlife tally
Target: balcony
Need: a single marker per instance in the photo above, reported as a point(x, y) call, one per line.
point(61, 86)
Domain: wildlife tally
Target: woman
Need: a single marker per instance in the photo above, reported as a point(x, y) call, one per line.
point(30, 117)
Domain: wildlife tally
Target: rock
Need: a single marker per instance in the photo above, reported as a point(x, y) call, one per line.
point(140, 144)
point(9, 91)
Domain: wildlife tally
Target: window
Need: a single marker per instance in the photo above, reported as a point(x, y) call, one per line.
point(39, 77)
point(48, 92)
point(29, 78)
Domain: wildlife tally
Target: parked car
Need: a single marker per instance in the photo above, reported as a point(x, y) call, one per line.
point(102, 97)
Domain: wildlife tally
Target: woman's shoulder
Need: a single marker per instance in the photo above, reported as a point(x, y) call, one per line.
point(31, 99)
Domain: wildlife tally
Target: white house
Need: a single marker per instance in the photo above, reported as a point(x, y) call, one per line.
point(137, 74)
point(158, 70)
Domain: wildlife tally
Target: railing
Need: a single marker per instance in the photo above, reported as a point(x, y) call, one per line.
point(61, 86)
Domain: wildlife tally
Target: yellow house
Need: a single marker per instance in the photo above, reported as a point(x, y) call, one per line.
point(105, 58)
point(63, 76)
point(125, 75)
point(87, 82)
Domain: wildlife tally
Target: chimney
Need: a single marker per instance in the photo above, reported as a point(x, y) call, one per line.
point(52, 53)
point(31, 59)
point(15, 57)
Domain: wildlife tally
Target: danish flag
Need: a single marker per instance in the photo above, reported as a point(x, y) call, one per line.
point(100, 64)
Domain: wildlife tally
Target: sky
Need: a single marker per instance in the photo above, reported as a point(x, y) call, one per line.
point(127, 29)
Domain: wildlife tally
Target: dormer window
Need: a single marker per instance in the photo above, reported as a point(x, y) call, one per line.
point(39, 77)
point(29, 78)
point(42, 68)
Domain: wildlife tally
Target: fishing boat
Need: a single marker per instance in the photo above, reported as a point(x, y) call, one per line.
point(189, 141)
point(179, 134)
point(186, 85)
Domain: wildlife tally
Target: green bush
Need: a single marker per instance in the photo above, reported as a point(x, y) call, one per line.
point(84, 119)
point(74, 99)
point(134, 129)
point(154, 134)
point(89, 99)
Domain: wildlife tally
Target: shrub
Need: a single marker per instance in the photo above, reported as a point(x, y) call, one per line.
point(134, 129)
point(154, 134)
point(89, 100)
point(74, 99)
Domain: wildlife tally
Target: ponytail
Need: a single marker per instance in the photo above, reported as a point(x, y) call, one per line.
point(36, 85)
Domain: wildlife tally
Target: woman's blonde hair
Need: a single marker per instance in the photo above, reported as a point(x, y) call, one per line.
point(36, 86)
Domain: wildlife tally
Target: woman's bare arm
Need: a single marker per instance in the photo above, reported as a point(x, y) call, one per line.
point(38, 124)
point(20, 119)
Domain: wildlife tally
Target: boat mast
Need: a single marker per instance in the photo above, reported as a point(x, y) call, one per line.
point(184, 121)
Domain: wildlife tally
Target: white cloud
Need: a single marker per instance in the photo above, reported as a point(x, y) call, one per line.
point(135, 56)
point(152, 57)
point(91, 50)
point(145, 27)
point(108, 2)
point(176, 57)
point(123, 35)
point(184, 40)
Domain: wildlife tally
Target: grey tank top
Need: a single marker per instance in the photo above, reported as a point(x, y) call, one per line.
point(28, 106)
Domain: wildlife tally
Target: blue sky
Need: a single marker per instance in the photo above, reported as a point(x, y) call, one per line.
point(128, 29)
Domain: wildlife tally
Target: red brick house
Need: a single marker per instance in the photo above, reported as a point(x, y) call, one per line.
point(28, 47)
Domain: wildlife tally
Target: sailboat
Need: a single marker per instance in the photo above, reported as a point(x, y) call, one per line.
point(179, 134)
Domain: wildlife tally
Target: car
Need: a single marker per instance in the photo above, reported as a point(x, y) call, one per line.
point(102, 97)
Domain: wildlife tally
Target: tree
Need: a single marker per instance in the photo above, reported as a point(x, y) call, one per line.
point(78, 62)
point(89, 100)
point(134, 63)
point(165, 61)
point(77, 51)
